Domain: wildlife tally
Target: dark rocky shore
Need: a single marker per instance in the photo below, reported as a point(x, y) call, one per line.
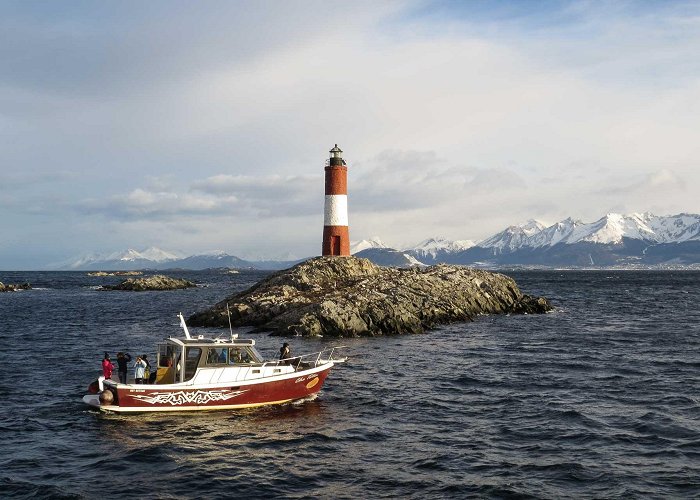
point(350, 297)
point(14, 288)
point(156, 282)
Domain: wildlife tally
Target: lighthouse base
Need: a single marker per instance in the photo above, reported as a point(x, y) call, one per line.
point(336, 241)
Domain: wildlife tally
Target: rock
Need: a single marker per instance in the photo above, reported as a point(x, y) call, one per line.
point(14, 288)
point(349, 297)
point(115, 273)
point(156, 282)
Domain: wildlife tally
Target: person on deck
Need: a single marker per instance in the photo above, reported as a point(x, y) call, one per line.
point(148, 372)
point(285, 351)
point(107, 367)
point(122, 366)
point(139, 370)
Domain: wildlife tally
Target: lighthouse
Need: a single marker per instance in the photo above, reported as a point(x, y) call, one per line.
point(336, 238)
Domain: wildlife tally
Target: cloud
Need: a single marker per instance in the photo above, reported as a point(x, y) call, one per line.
point(664, 178)
point(222, 195)
point(267, 196)
point(140, 204)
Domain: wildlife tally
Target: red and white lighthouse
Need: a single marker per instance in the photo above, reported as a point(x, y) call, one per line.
point(336, 237)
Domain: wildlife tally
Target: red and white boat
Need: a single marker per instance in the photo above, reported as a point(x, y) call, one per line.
point(216, 374)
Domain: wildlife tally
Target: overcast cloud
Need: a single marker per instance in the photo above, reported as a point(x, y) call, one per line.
point(200, 126)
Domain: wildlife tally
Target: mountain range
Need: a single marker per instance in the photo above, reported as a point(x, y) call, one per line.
point(633, 240)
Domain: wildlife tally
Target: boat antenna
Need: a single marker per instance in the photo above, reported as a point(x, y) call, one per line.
point(230, 327)
point(184, 326)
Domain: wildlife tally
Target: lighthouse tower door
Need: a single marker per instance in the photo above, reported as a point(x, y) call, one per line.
point(335, 245)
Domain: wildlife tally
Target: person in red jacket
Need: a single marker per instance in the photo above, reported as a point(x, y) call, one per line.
point(107, 367)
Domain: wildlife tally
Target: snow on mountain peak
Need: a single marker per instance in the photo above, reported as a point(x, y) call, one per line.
point(152, 253)
point(432, 246)
point(609, 229)
point(373, 242)
point(532, 227)
point(513, 236)
point(158, 255)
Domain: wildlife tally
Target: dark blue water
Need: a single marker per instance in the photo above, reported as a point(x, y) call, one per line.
point(599, 399)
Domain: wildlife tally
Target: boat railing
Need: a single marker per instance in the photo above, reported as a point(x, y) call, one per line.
point(310, 360)
point(267, 368)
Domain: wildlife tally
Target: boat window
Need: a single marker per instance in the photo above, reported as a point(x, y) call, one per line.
point(255, 355)
point(166, 354)
point(192, 361)
point(217, 355)
point(239, 355)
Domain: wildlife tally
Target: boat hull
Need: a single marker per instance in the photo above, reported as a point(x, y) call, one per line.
point(182, 397)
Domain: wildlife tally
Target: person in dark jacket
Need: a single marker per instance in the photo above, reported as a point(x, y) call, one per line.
point(285, 351)
point(122, 367)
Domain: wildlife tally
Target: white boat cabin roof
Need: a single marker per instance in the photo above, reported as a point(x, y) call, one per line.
point(209, 342)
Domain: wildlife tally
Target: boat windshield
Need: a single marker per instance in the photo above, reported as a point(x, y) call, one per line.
point(192, 361)
point(218, 356)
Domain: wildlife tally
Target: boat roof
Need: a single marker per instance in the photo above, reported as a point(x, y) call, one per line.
point(209, 342)
point(202, 341)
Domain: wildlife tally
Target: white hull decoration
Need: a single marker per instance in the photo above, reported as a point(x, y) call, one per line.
point(215, 374)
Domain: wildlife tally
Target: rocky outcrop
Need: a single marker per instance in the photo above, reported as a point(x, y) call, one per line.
point(14, 288)
point(116, 273)
point(156, 282)
point(348, 297)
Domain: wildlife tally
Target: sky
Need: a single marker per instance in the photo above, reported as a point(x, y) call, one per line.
point(202, 126)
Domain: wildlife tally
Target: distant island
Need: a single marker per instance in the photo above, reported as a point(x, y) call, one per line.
point(14, 288)
point(115, 273)
point(156, 282)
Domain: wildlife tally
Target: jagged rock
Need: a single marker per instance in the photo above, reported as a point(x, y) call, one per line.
point(115, 273)
point(14, 288)
point(348, 297)
point(156, 282)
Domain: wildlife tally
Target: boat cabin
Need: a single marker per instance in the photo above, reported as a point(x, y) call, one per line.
point(210, 361)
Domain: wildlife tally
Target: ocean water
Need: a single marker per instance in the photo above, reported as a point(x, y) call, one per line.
point(600, 398)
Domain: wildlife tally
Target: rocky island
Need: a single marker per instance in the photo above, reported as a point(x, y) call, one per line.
point(14, 288)
point(115, 273)
point(350, 297)
point(156, 282)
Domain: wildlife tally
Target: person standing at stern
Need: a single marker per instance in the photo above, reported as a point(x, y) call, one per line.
point(139, 370)
point(107, 367)
point(122, 366)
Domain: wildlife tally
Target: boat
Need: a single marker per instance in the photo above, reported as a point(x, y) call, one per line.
point(215, 374)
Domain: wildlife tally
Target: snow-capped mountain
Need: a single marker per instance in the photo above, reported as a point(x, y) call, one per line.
point(388, 257)
point(432, 247)
point(674, 228)
point(556, 233)
point(513, 237)
point(359, 246)
point(122, 259)
point(157, 259)
point(434, 250)
point(613, 240)
point(152, 253)
point(614, 228)
point(208, 260)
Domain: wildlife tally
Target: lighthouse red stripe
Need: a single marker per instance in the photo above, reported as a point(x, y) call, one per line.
point(336, 180)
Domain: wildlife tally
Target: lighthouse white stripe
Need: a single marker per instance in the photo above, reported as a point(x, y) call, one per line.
point(335, 212)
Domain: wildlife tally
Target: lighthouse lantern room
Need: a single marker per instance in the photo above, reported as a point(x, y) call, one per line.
point(336, 237)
